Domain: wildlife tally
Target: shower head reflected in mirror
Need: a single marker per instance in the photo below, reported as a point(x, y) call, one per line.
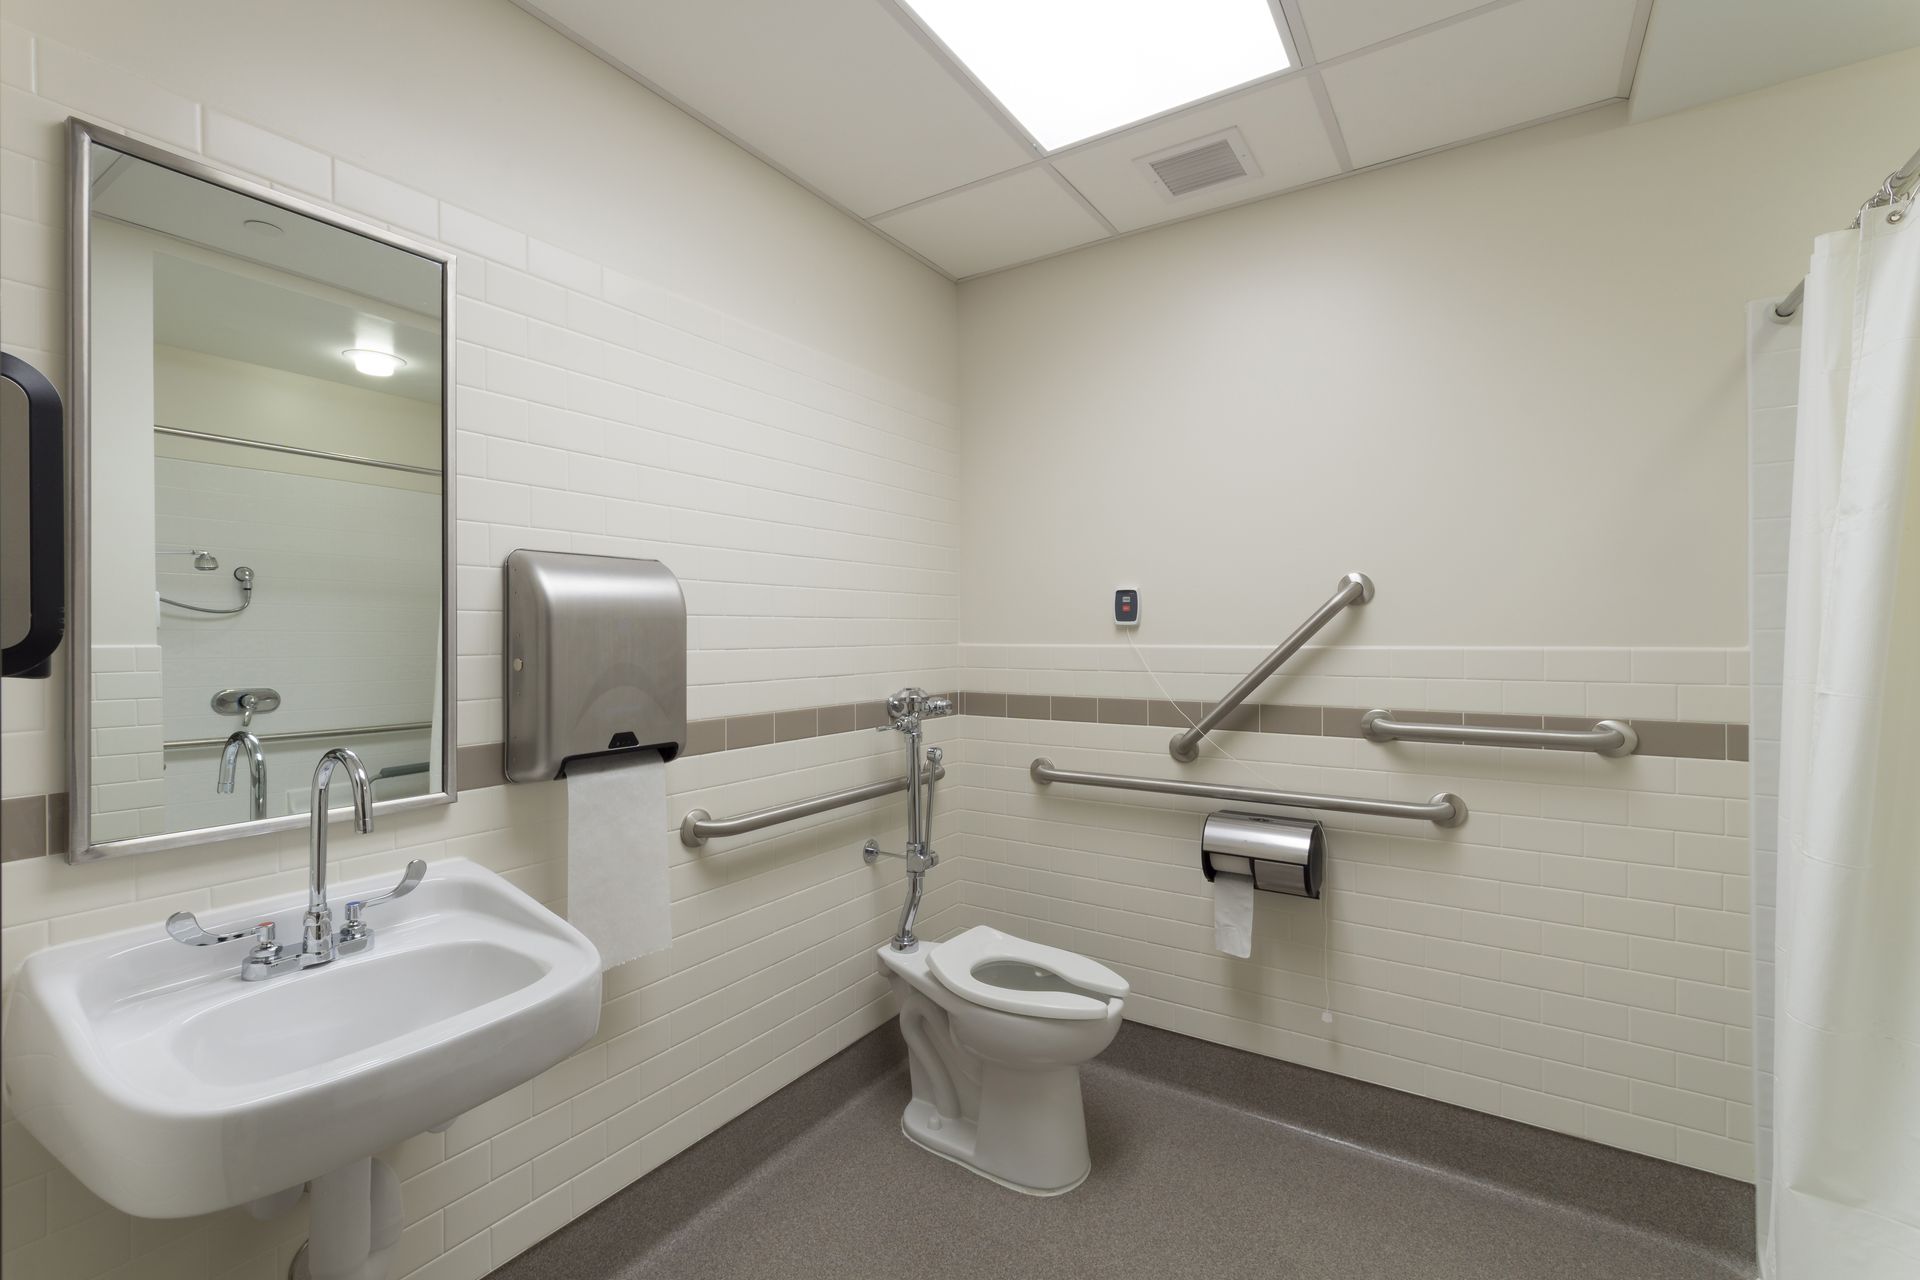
point(202, 560)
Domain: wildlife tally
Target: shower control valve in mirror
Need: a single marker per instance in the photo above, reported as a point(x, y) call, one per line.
point(246, 703)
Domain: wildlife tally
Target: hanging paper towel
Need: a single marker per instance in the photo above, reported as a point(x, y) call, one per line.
point(617, 889)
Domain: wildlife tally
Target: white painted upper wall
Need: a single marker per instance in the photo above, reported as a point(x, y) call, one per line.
point(484, 106)
point(1698, 51)
point(1506, 381)
point(195, 391)
point(124, 612)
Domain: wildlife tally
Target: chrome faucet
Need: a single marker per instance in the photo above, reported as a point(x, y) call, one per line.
point(906, 710)
point(319, 944)
point(256, 771)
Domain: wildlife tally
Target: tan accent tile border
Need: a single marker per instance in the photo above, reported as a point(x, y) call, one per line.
point(484, 765)
point(791, 726)
point(32, 826)
point(23, 827)
point(1692, 740)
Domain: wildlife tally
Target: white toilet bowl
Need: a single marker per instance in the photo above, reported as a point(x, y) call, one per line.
point(996, 1030)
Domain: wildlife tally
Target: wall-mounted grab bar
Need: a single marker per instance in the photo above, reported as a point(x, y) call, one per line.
point(303, 735)
point(1355, 588)
point(1607, 737)
point(1444, 810)
point(699, 826)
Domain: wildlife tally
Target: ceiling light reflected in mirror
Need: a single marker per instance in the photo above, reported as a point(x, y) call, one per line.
point(375, 364)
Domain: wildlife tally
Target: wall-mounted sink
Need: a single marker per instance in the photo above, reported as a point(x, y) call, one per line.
point(170, 1087)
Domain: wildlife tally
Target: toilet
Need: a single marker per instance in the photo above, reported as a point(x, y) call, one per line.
point(996, 1029)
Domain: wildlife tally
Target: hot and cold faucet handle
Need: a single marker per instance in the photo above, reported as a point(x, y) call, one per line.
point(356, 929)
point(184, 926)
point(265, 959)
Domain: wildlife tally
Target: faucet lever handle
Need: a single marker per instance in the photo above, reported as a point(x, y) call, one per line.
point(416, 872)
point(183, 926)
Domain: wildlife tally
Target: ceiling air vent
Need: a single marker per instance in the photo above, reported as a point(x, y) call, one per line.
point(1200, 164)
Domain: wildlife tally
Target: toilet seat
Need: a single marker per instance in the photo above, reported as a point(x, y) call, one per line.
point(955, 962)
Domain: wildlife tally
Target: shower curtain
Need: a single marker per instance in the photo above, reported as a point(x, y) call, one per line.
point(1845, 1194)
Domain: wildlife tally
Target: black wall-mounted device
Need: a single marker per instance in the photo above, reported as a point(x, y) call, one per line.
point(1126, 607)
point(33, 500)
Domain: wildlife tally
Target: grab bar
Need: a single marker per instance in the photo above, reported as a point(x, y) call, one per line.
point(699, 826)
point(1355, 588)
point(1607, 737)
point(1444, 810)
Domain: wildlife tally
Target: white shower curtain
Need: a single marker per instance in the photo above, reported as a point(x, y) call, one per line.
point(1845, 1195)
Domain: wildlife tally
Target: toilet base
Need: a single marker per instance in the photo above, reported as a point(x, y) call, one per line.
point(954, 1140)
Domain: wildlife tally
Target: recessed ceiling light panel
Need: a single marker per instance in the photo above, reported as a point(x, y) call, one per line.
point(1070, 69)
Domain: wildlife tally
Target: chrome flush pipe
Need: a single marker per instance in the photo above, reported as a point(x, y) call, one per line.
point(908, 709)
point(903, 939)
point(256, 771)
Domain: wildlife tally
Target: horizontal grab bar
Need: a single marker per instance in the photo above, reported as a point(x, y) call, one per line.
point(699, 826)
point(1355, 588)
point(1444, 810)
point(1607, 737)
point(303, 735)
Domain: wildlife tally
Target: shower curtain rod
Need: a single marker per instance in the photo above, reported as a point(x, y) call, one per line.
point(1890, 190)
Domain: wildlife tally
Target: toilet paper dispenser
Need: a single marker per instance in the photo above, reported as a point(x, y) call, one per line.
point(1283, 855)
point(595, 658)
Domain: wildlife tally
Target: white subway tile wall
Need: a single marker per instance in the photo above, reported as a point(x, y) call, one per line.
point(345, 611)
point(808, 508)
point(129, 783)
point(343, 624)
point(1575, 956)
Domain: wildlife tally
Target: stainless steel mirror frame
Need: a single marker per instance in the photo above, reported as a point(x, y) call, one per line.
point(81, 135)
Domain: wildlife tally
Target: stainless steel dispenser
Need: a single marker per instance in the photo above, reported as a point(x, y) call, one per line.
point(1284, 855)
point(596, 660)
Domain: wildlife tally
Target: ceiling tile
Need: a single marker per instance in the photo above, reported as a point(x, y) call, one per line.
point(1494, 71)
point(1335, 27)
point(1279, 121)
point(996, 224)
point(837, 92)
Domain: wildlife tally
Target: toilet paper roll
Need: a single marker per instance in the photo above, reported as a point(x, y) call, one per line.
point(617, 891)
point(1233, 913)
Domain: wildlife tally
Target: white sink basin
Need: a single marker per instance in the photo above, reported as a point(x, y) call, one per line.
point(170, 1087)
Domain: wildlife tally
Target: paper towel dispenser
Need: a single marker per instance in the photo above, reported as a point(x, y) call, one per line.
point(596, 660)
point(1284, 855)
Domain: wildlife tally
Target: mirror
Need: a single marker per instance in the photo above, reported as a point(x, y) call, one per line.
point(262, 447)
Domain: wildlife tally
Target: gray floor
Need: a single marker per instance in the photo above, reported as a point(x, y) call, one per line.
point(1184, 1185)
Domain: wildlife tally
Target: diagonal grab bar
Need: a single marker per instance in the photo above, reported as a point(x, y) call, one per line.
point(1355, 588)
